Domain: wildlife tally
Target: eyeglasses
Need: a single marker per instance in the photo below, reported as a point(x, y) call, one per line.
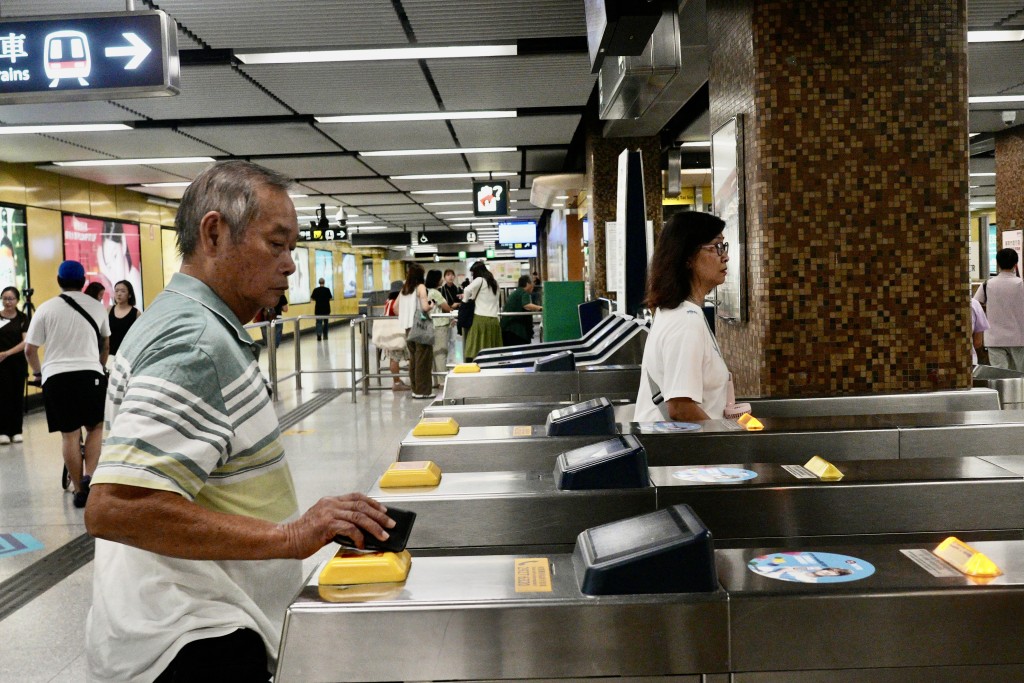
point(721, 247)
point(9, 298)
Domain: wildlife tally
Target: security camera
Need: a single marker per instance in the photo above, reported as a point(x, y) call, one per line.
point(1009, 117)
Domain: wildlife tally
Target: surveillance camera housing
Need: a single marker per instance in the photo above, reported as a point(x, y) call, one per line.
point(1009, 118)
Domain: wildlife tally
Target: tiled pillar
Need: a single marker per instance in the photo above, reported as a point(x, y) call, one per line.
point(1010, 180)
point(602, 188)
point(855, 117)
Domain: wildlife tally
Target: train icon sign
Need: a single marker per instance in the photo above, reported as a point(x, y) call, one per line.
point(67, 56)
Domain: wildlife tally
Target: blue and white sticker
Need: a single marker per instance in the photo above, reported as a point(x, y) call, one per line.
point(665, 427)
point(811, 567)
point(714, 475)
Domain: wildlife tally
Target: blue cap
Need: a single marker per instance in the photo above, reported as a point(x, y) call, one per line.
point(71, 270)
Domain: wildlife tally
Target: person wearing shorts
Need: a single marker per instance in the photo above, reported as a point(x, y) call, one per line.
point(74, 382)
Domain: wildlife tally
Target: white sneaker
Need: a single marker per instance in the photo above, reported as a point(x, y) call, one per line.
point(16, 438)
point(4, 439)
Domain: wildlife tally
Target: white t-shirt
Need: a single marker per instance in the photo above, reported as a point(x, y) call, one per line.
point(69, 340)
point(1003, 296)
point(683, 359)
point(407, 306)
point(486, 300)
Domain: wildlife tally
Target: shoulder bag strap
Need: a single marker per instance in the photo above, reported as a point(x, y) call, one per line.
point(74, 304)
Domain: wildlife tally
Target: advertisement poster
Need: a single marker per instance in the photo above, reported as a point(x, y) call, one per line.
point(348, 274)
point(728, 202)
point(13, 249)
point(298, 282)
point(367, 275)
point(109, 251)
point(169, 252)
point(325, 268)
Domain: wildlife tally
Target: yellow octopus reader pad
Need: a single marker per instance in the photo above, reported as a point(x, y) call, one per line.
point(350, 567)
point(412, 473)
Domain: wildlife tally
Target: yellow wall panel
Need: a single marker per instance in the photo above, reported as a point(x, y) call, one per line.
point(152, 259)
point(11, 189)
point(45, 251)
point(101, 200)
point(74, 196)
point(42, 189)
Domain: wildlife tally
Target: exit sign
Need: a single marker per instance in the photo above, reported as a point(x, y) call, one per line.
point(88, 57)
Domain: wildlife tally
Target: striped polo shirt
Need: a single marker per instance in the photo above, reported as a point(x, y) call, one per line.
point(188, 412)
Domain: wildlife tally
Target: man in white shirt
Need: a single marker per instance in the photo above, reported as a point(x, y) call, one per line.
point(1003, 298)
point(75, 330)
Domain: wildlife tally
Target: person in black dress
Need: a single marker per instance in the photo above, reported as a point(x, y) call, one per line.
point(13, 366)
point(122, 314)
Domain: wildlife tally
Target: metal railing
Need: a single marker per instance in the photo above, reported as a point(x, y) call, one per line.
point(358, 370)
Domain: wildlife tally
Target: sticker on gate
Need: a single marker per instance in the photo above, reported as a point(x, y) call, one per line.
point(811, 567)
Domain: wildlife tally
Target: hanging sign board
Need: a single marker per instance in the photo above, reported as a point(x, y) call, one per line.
point(490, 198)
point(88, 57)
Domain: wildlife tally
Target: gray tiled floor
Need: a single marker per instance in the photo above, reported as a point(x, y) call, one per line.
point(340, 447)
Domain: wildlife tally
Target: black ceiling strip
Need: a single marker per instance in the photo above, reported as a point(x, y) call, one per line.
point(233, 121)
point(552, 46)
point(207, 57)
point(695, 107)
point(551, 111)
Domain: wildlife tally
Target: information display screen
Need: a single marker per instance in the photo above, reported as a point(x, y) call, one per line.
point(88, 56)
point(517, 235)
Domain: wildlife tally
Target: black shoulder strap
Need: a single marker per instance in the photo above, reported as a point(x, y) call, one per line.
point(74, 304)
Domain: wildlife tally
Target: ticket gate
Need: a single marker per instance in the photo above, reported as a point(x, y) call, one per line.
point(742, 504)
point(783, 440)
point(621, 345)
point(858, 613)
point(614, 382)
point(497, 413)
point(596, 334)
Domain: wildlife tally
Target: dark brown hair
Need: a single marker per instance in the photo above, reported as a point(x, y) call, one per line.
point(413, 278)
point(670, 274)
point(479, 269)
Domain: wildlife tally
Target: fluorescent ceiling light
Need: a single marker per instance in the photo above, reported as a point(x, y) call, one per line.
point(982, 175)
point(418, 116)
point(137, 162)
point(695, 171)
point(699, 143)
point(64, 128)
point(460, 203)
point(311, 56)
point(298, 196)
point(185, 183)
point(462, 191)
point(429, 152)
point(562, 196)
point(995, 99)
point(994, 36)
point(445, 176)
point(558, 206)
point(452, 213)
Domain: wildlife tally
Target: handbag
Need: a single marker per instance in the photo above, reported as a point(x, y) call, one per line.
point(422, 330)
point(388, 335)
point(466, 311)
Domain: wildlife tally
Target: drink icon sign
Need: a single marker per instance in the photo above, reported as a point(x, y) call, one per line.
point(67, 56)
point(485, 199)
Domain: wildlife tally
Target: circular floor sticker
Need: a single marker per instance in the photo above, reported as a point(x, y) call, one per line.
point(715, 475)
point(660, 427)
point(811, 567)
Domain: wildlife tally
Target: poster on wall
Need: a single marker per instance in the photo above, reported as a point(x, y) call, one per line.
point(169, 253)
point(348, 274)
point(1014, 239)
point(324, 264)
point(298, 282)
point(367, 275)
point(728, 201)
point(13, 249)
point(385, 274)
point(109, 251)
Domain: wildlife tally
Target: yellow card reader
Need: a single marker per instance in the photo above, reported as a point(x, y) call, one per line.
point(436, 426)
point(825, 470)
point(466, 367)
point(966, 559)
point(351, 567)
point(412, 473)
point(749, 422)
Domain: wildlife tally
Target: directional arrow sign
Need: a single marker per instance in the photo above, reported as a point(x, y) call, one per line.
point(138, 51)
point(88, 56)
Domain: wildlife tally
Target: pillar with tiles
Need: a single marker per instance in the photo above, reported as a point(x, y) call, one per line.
point(855, 144)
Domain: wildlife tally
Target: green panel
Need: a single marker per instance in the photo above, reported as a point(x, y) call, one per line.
point(561, 317)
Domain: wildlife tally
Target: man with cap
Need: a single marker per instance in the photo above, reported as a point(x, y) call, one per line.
point(75, 330)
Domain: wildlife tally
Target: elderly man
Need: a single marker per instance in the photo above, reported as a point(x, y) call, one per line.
point(193, 506)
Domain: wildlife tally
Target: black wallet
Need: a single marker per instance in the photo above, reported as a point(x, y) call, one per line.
point(398, 536)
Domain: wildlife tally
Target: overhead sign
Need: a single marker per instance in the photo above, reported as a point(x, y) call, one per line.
point(88, 57)
point(329, 234)
point(491, 198)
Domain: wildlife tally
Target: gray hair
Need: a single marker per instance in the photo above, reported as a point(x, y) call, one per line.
point(229, 187)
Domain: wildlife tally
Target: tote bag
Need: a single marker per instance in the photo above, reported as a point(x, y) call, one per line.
point(422, 330)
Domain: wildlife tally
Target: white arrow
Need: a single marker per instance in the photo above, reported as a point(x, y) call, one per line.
point(138, 51)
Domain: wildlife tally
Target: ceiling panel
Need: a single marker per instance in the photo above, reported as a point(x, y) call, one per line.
point(524, 130)
point(353, 186)
point(995, 67)
point(174, 193)
point(365, 137)
point(117, 175)
point(338, 166)
point(548, 160)
point(393, 210)
point(500, 161)
point(162, 142)
point(275, 138)
point(991, 121)
point(289, 23)
point(347, 87)
point(992, 13)
point(562, 80)
point(208, 91)
point(415, 165)
point(80, 112)
point(36, 148)
point(376, 199)
point(439, 21)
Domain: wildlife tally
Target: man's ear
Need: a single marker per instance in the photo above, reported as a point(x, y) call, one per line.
point(213, 233)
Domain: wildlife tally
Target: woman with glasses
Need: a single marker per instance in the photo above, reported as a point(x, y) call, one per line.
point(13, 366)
point(683, 376)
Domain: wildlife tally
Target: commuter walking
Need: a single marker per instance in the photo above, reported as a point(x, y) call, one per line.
point(442, 325)
point(123, 314)
point(197, 525)
point(322, 299)
point(485, 332)
point(518, 329)
point(13, 366)
point(75, 330)
point(1003, 298)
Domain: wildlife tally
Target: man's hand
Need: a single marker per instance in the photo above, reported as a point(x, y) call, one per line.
point(351, 515)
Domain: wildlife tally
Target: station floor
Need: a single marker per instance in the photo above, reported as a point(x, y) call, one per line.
point(338, 447)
